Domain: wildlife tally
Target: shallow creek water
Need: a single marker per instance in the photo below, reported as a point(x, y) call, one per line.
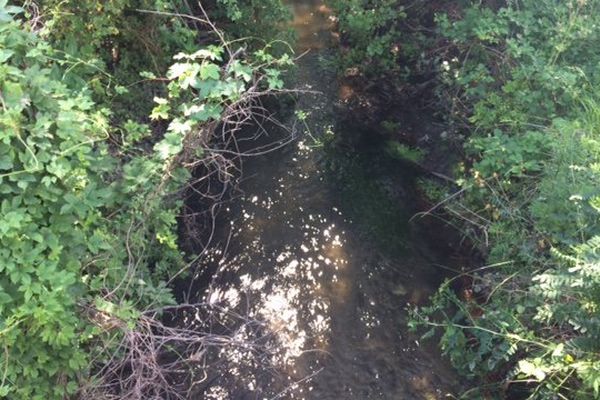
point(291, 258)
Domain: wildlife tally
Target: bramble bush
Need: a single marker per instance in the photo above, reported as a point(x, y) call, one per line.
point(257, 21)
point(105, 45)
point(64, 216)
point(88, 212)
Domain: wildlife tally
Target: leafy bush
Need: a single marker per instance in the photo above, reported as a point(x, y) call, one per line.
point(548, 336)
point(258, 21)
point(51, 223)
point(88, 226)
point(107, 45)
point(370, 32)
point(518, 89)
point(520, 81)
point(63, 219)
point(525, 63)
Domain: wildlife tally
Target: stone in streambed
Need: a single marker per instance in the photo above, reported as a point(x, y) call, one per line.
point(400, 290)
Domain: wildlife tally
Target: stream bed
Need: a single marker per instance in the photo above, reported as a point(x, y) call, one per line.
point(333, 303)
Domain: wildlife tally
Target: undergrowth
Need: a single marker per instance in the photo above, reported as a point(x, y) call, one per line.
point(517, 82)
point(92, 172)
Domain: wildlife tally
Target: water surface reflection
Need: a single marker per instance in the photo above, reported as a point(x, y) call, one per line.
point(329, 306)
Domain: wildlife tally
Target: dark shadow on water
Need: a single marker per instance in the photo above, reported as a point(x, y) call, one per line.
point(319, 251)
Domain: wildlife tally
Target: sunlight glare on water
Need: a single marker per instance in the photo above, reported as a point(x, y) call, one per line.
point(327, 304)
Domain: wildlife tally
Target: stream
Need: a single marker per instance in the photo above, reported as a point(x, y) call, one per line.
point(333, 303)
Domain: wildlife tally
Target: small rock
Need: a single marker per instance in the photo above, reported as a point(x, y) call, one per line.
point(400, 290)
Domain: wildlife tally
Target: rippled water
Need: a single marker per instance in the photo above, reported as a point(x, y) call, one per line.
point(333, 306)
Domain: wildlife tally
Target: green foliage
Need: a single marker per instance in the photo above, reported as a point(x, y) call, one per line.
point(122, 37)
point(132, 32)
point(524, 77)
point(571, 300)
point(527, 63)
point(51, 195)
point(88, 226)
point(521, 92)
point(202, 90)
point(550, 334)
point(60, 248)
point(563, 210)
point(509, 157)
point(475, 346)
point(392, 38)
point(258, 21)
point(370, 33)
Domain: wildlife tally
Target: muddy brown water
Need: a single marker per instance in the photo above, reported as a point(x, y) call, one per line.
point(333, 304)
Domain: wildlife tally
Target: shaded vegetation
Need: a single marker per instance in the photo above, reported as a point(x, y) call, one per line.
point(111, 112)
point(92, 173)
point(516, 85)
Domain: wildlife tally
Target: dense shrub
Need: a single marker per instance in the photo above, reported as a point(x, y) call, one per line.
point(64, 214)
point(258, 21)
point(88, 212)
point(391, 38)
point(370, 34)
point(521, 83)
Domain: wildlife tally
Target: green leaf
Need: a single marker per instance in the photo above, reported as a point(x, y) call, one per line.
point(241, 71)
point(530, 369)
point(179, 126)
point(211, 53)
point(4, 390)
point(210, 71)
point(558, 350)
point(161, 111)
point(204, 112)
point(178, 69)
point(169, 146)
point(273, 79)
point(14, 96)
point(5, 55)
point(147, 75)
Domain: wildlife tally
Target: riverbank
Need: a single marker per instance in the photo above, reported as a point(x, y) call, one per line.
point(512, 88)
point(294, 258)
